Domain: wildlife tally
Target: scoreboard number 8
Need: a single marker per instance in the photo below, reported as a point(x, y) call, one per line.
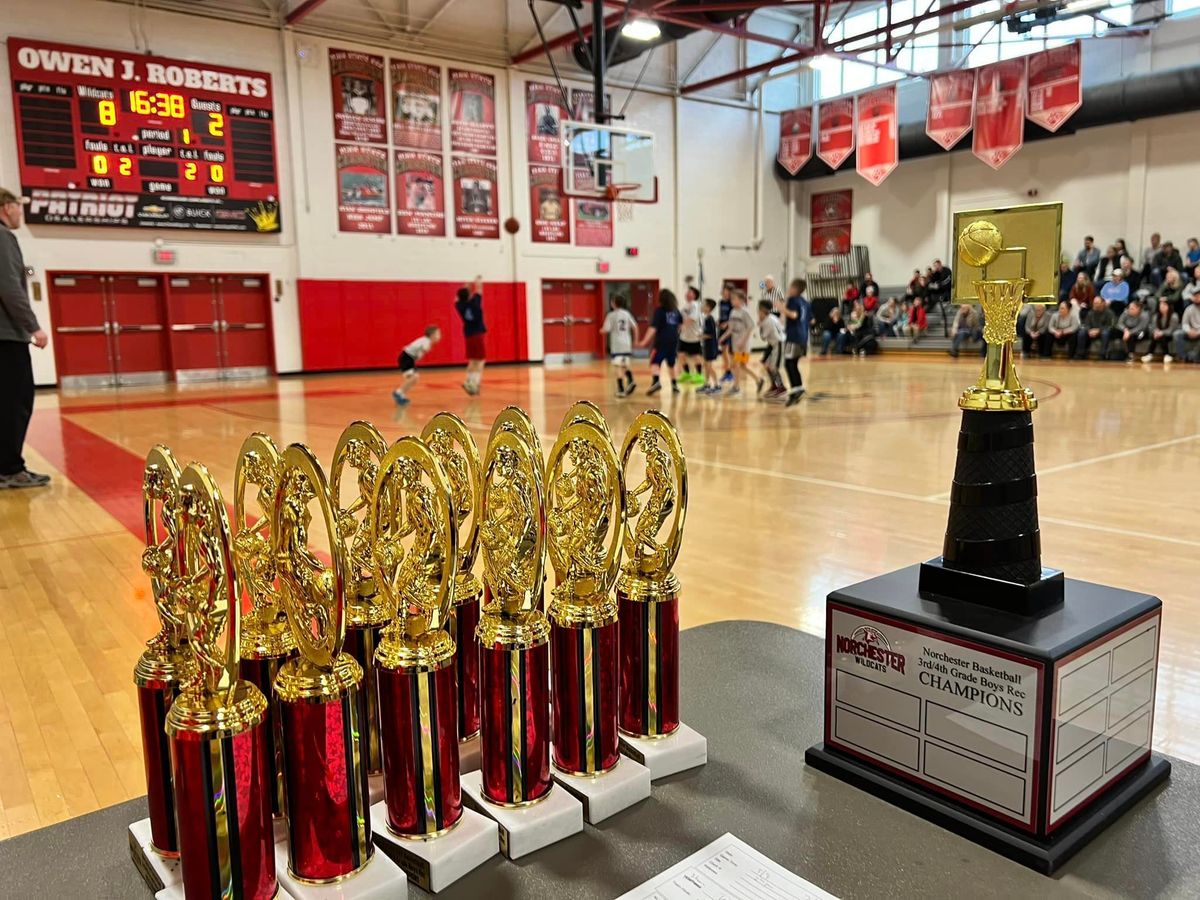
point(108, 112)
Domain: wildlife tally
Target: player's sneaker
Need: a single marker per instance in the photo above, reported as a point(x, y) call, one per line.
point(399, 397)
point(794, 396)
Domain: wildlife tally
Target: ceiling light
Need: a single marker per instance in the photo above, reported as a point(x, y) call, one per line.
point(641, 29)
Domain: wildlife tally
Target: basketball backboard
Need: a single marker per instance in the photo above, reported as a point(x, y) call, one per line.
point(606, 160)
point(1035, 228)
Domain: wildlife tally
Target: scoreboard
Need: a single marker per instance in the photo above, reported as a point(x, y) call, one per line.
point(118, 139)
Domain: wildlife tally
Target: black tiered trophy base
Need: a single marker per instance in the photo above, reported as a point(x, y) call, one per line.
point(1027, 734)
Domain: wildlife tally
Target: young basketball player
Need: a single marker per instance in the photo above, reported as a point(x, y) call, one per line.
point(469, 304)
point(664, 334)
point(711, 350)
point(691, 333)
point(770, 329)
point(621, 328)
point(740, 329)
point(408, 362)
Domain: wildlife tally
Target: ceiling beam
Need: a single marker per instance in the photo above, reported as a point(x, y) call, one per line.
point(563, 40)
point(662, 13)
point(303, 10)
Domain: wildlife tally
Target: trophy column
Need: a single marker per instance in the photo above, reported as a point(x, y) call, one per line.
point(217, 726)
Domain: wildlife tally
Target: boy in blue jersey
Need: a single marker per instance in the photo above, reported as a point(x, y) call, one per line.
point(711, 349)
point(664, 334)
point(726, 345)
point(796, 313)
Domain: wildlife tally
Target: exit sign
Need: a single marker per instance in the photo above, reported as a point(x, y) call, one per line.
point(162, 256)
point(602, 267)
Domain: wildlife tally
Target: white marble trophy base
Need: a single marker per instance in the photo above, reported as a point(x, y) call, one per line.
point(379, 879)
point(280, 826)
point(524, 829)
point(156, 870)
point(436, 863)
point(610, 792)
point(375, 787)
point(468, 755)
point(678, 752)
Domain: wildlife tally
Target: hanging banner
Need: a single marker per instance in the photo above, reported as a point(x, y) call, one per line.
point(1055, 86)
point(951, 111)
point(544, 113)
point(795, 139)
point(363, 189)
point(358, 113)
point(476, 200)
point(420, 207)
point(830, 213)
point(472, 112)
point(878, 139)
point(416, 104)
point(583, 104)
point(835, 131)
point(999, 111)
point(547, 209)
point(593, 223)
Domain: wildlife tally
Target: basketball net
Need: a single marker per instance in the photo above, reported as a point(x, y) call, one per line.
point(624, 207)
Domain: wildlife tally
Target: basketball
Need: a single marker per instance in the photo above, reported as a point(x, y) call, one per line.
point(512, 225)
point(980, 243)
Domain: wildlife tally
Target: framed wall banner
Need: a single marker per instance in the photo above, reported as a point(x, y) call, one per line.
point(420, 193)
point(951, 111)
point(472, 112)
point(830, 213)
point(476, 197)
point(362, 174)
point(547, 210)
point(416, 104)
point(358, 97)
point(593, 223)
point(544, 114)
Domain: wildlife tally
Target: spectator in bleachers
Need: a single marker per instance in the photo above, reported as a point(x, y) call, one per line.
point(1122, 250)
point(868, 282)
point(966, 327)
point(1150, 253)
point(854, 325)
point(1192, 257)
point(1187, 336)
point(1166, 258)
point(1162, 329)
point(866, 341)
point(1132, 276)
point(888, 317)
point(870, 298)
point(1109, 263)
point(939, 283)
point(833, 331)
point(1037, 332)
point(917, 288)
point(1066, 280)
point(1097, 326)
point(917, 321)
point(1088, 258)
point(1192, 288)
point(1082, 293)
point(1116, 292)
point(1171, 289)
point(849, 298)
point(1133, 327)
point(1064, 325)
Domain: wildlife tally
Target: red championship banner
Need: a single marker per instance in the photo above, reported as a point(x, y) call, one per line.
point(878, 140)
point(544, 113)
point(547, 208)
point(363, 189)
point(416, 104)
point(358, 97)
point(1055, 86)
point(593, 223)
point(951, 111)
point(835, 131)
point(795, 139)
point(472, 112)
point(476, 197)
point(420, 204)
point(830, 213)
point(999, 111)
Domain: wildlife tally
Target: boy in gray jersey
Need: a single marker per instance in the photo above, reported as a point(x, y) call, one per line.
point(621, 328)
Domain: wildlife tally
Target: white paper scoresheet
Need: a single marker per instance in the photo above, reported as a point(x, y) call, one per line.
point(726, 869)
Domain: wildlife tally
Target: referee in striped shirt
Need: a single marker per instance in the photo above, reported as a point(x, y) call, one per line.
point(771, 292)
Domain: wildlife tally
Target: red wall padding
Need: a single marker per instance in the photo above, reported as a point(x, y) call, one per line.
point(365, 324)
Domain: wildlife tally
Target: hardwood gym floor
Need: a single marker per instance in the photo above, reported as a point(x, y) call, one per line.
point(785, 505)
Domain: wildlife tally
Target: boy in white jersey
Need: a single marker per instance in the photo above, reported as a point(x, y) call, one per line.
point(691, 336)
point(621, 328)
point(407, 361)
point(770, 329)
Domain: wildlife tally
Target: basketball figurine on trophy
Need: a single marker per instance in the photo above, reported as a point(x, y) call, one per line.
point(648, 601)
point(415, 549)
point(361, 448)
point(266, 637)
point(980, 689)
point(585, 513)
point(513, 785)
point(218, 725)
point(452, 444)
point(163, 669)
point(321, 706)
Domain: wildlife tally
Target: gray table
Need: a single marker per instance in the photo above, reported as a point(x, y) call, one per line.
point(755, 691)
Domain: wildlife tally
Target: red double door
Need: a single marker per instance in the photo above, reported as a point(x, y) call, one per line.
point(572, 313)
point(126, 329)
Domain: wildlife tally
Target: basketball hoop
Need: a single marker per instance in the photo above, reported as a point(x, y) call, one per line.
point(624, 207)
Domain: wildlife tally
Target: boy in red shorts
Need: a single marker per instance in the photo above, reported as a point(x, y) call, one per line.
point(469, 304)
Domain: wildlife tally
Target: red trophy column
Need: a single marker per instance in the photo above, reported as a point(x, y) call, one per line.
point(466, 659)
point(649, 659)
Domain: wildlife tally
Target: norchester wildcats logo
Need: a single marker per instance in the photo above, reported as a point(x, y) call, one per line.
point(870, 648)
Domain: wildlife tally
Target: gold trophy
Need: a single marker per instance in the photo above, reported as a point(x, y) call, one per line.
point(586, 411)
point(266, 637)
point(452, 444)
point(161, 671)
point(361, 448)
point(217, 725)
point(656, 485)
point(516, 420)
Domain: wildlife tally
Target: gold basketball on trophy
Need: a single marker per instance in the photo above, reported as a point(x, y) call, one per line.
point(980, 243)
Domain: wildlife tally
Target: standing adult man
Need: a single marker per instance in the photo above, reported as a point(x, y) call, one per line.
point(18, 326)
point(1088, 258)
point(771, 292)
point(469, 304)
point(939, 288)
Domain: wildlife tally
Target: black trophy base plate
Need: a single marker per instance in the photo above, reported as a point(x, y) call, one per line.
point(1043, 856)
point(939, 580)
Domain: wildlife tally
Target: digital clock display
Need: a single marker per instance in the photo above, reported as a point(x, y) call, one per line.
point(107, 138)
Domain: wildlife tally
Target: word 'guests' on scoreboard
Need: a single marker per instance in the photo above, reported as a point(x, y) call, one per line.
point(110, 138)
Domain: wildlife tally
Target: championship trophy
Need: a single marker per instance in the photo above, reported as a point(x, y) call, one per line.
point(266, 637)
point(513, 785)
point(162, 670)
point(321, 703)
point(586, 411)
point(585, 513)
point(415, 549)
point(648, 601)
point(516, 420)
point(218, 725)
point(361, 448)
point(451, 443)
point(980, 689)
